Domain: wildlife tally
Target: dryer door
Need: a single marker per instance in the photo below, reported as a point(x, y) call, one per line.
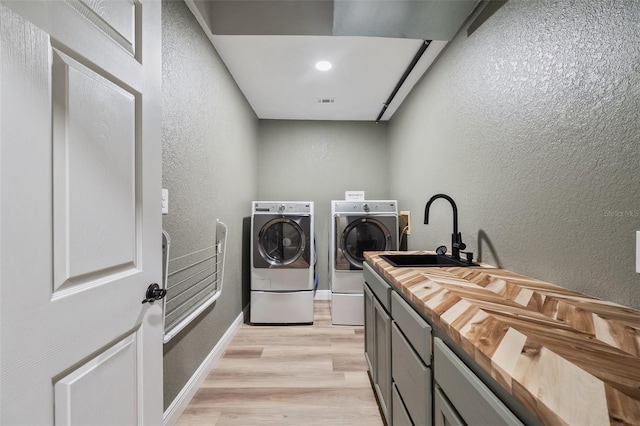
point(282, 242)
point(360, 235)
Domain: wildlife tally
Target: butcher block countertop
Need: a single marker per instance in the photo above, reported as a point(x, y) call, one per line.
point(568, 358)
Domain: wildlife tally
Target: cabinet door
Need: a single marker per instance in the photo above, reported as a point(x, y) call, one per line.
point(444, 414)
point(368, 330)
point(382, 357)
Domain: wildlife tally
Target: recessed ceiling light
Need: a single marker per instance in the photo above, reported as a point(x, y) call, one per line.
point(323, 65)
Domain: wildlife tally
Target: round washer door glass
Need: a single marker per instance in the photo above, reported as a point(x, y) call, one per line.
point(364, 235)
point(281, 241)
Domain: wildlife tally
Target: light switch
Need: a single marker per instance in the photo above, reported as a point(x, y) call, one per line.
point(165, 201)
point(638, 252)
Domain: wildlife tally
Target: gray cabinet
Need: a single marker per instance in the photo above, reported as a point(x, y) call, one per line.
point(443, 413)
point(400, 414)
point(398, 353)
point(368, 329)
point(418, 379)
point(377, 302)
point(414, 328)
point(382, 351)
point(411, 377)
point(468, 396)
point(411, 360)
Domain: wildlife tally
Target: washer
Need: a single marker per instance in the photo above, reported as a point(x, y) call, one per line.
point(356, 227)
point(282, 262)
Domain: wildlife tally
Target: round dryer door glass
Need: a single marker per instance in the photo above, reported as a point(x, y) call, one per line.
point(364, 235)
point(281, 241)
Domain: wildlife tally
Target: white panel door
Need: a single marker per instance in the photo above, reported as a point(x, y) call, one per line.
point(80, 219)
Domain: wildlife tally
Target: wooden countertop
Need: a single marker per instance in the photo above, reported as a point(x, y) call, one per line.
point(569, 358)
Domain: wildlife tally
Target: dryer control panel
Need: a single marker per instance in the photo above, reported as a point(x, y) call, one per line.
point(366, 207)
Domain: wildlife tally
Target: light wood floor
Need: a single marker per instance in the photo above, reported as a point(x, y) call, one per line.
point(289, 375)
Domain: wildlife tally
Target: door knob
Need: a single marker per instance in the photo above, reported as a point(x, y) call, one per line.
point(154, 292)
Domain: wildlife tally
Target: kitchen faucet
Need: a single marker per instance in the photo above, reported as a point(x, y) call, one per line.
point(456, 237)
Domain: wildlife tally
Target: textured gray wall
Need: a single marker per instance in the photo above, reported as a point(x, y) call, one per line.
point(318, 161)
point(532, 125)
point(209, 136)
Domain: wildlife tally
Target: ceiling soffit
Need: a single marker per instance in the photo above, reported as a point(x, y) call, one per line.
point(416, 19)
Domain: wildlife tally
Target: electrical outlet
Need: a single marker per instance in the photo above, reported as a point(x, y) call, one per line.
point(405, 222)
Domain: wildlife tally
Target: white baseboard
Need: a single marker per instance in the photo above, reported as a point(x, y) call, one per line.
point(180, 403)
point(323, 295)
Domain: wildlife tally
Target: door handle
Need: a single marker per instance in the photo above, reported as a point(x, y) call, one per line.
point(154, 292)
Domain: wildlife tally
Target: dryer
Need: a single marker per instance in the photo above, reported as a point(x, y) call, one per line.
point(282, 262)
point(356, 227)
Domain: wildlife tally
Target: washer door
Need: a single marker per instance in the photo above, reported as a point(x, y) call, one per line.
point(360, 235)
point(282, 243)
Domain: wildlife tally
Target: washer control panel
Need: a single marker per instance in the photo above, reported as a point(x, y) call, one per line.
point(282, 207)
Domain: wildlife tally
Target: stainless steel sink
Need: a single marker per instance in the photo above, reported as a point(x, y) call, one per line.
point(423, 260)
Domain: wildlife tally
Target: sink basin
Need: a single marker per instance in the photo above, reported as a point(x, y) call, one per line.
point(423, 260)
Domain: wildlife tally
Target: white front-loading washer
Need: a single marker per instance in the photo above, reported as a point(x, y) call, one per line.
point(356, 227)
point(282, 262)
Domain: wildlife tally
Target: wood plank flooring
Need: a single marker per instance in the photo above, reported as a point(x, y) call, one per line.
point(289, 375)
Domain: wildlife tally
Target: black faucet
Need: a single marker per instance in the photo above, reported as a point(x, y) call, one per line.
point(456, 237)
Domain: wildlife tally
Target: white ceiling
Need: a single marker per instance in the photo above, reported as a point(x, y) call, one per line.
point(277, 75)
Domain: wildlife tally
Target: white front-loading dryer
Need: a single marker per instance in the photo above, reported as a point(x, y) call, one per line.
point(356, 227)
point(282, 262)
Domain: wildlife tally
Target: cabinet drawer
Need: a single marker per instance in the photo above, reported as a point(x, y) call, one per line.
point(470, 397)
point(400, 415)
point(443, 413)
point(378, 286)
point(415, 329)
point(412, 378)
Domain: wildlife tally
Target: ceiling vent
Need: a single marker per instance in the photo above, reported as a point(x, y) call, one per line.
point(325, 100)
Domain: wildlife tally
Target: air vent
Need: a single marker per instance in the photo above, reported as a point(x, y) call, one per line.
point(325, 100)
